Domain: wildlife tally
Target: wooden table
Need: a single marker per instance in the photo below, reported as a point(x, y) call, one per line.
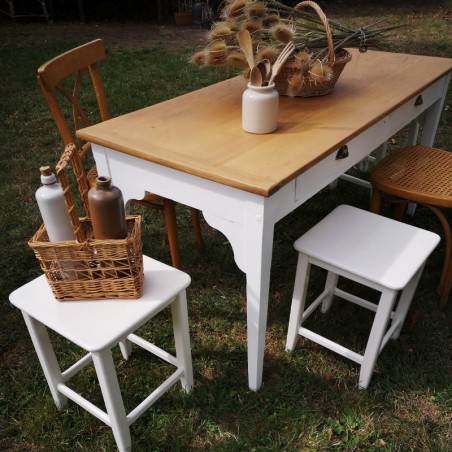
point(193, 150)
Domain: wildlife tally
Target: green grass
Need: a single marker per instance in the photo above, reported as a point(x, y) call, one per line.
point(309, 400)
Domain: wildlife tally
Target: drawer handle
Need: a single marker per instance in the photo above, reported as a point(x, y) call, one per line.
point(419, 100)
point(342, 153)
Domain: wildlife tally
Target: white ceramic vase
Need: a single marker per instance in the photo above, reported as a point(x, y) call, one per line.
point(260, 106)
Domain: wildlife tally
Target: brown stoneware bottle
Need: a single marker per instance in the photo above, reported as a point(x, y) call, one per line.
point(106, 209)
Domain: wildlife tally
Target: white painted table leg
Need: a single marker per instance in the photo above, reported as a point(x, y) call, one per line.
point(259, 248)
point(47, 358)
point(108, 381)
point(432, 115)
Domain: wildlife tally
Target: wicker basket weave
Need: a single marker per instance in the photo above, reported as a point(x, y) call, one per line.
point(336, 60)
point(85, 268)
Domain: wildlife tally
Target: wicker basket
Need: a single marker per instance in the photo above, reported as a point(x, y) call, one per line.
point(337, 61)
point(85, 268)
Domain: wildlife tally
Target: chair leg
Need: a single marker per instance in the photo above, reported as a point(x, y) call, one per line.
point(446, 277)
point(179, 313)
point(47, 358)
point(446, 289)
point(377, 333)
point(195, 221)
point(399, 210)
point(375, 201)
point(108, 381)
point(171, 226)
point(298, 300)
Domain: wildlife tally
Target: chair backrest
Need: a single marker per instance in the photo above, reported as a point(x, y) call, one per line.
point(65, 74)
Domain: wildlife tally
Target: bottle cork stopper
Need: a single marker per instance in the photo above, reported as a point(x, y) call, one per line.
point(45, 170)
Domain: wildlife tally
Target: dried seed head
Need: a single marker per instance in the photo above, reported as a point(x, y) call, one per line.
point(199, 58)
point(270, 20)
point(256, 9)
point(302, 58)
point(252, 25)
point(319, 72)
point(216, 58)
point(237, 59)
point(235, 8)
point(328, 72)
point(217, 46)
point(221, 30)
point(267, 53)
point(295, 84)
point(282, 33)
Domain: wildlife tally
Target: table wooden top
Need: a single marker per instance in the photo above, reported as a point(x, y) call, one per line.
point(200, 133)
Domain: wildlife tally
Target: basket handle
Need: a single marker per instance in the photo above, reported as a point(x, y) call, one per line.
point(324, 20)
point(70, 154)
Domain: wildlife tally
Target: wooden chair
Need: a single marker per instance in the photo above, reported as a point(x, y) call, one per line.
point(422, 175)
point(64, 74)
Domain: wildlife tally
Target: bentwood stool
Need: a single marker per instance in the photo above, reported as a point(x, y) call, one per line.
point(421, 175)
point(97, 326)
point(372, 250)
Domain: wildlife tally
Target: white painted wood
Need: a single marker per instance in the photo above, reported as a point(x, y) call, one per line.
point(47, 358)
point(97, 326)
point(369, 249)
point(368, 245)
point(182, 340)
point(108, 382)
point(432, 115)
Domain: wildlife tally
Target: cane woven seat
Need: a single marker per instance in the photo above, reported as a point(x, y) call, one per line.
point(422, 175)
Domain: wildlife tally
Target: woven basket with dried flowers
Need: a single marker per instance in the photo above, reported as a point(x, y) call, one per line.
point(319, 55)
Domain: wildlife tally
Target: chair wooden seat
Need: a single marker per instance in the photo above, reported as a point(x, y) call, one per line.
point(67, 71)
point(422, 175)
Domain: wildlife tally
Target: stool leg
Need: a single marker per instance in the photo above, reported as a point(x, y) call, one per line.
point(298, 300)
point(377, 332)
point(108, 381)
point(182, 339)
point(330, 285)
point(404, 303)
point(47, 358)
point(126, 348)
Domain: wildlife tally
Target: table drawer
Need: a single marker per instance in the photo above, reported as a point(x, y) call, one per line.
point(415, 106)
point(339, 161)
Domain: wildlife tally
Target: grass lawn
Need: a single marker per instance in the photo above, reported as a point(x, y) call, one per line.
point(309, 400)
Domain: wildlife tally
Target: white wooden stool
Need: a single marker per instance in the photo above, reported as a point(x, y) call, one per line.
point(372, 250)
point(97, 326)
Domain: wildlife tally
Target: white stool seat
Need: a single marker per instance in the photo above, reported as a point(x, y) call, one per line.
point(375, 251)
point(97, 326)
point(373, 247)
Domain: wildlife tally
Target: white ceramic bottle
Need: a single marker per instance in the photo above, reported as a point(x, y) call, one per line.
point(260, 106)
point(53, 208)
